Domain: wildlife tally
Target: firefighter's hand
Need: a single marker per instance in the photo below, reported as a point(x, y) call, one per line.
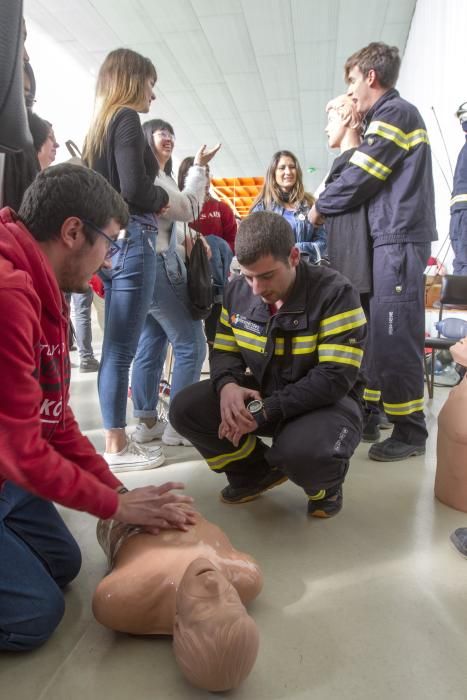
point(314, 217)
point(156, 507)
point(236, 419)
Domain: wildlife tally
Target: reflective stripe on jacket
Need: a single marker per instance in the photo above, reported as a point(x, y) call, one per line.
point(391, 171)
point(305, 356)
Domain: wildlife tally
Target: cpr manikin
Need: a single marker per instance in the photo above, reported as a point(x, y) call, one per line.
point(192, 585)
point(451, 468)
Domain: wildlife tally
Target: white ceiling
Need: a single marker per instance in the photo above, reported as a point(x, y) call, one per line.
point(253, 74)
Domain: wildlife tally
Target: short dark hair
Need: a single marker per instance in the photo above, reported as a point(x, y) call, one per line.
point(68, 190)
point(263, 233)
point(377, 56)
point(149, 128)
point(39, 128)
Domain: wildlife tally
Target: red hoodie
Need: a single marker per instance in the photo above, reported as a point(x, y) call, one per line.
point(41, 446)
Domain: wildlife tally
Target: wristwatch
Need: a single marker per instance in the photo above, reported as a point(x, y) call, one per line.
point(256, 408)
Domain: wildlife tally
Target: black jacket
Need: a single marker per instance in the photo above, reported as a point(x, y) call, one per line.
point(459, 192)
point(306, 356)
point(392, 172)
point(129, 165)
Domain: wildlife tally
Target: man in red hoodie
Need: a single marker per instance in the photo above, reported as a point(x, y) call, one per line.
point(64, 232)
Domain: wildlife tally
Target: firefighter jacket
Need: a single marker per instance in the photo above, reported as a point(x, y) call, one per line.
point(459, 192)
point(391, 170)
point(305, 356)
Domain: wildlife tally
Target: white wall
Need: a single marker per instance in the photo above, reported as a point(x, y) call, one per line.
point(65, 90)
point(433, 75)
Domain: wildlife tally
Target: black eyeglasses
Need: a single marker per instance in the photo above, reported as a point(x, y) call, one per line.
point(113, 248)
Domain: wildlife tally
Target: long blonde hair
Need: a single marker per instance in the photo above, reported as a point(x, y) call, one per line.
point(271, 192)
point(121, 82)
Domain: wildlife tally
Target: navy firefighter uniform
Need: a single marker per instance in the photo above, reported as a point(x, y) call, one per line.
point(305, 361)
point(392, 172)
point(458, 223)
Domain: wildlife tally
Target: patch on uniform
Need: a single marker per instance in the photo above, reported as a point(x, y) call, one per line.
point(371, 140)
point(352, 341)
point(238, 321)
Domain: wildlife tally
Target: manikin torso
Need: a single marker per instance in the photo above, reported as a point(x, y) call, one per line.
point(138, 595)
point(451, 469)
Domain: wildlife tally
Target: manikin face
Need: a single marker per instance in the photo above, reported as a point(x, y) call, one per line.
point(204, 593)
point(164, 142)
point(87, 258)
point(286, 173)
point(272, 279)
point(48, 151)
point(359, 89)
point(335, 129)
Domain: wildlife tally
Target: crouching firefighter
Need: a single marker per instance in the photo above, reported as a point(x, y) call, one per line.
point(285, 364)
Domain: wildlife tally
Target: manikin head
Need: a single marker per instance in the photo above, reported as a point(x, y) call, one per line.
point(370, 72)
point(266, 252)
point(215, 641)
point(342, 119)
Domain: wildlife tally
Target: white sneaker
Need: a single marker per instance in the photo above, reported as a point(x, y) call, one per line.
point(144, 434)
point(134, 458)
point(171, 437)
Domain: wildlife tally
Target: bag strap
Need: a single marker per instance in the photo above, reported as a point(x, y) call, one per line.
point(73, 149)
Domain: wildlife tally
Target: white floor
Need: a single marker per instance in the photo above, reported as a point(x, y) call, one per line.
point(369, 605)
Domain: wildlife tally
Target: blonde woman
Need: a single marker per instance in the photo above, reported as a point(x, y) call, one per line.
point(115, 147)
point(283, 193)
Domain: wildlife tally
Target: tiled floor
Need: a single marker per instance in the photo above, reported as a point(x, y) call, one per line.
point(369, 605)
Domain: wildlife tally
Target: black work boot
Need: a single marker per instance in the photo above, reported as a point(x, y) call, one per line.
point(243, 494)
point(371, 428)
point(325, 503)
point(393, 450)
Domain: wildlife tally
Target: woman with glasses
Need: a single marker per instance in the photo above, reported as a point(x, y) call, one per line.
point(169, 319)
point(116, 148)
point(283, 192)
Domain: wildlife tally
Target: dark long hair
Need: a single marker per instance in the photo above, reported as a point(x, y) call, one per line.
point(149, 128)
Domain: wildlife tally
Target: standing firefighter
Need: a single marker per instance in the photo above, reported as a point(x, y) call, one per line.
point(391, 172)
point(458, 225)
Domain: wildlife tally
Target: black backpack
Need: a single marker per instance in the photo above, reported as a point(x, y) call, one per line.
point(200, 283)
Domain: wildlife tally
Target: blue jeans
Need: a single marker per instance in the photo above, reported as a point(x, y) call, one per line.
point(82, 322)
point(129, 289)
point(38, 557)
point(168, 321)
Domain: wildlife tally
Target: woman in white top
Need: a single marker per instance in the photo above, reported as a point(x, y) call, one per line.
point(169, 319)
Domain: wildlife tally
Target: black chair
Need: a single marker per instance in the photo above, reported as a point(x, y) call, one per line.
point(453, 296)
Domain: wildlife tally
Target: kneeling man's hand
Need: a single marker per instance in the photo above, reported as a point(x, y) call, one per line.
point(236, 419)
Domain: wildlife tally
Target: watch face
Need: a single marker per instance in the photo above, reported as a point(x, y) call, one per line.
point(255, 406)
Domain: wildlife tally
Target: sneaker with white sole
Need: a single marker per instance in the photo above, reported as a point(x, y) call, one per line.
point(134, 458)
point(143, 434)
point(171, 437)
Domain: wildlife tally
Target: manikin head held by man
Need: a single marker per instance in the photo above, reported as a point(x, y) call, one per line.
point(267, 255)
point(370, 73)
point(344, 127)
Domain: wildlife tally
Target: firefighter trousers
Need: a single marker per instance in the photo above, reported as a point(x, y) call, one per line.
point(312, 449)
point(394, 354)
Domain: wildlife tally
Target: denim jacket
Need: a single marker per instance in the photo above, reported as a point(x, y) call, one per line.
point(309, 239)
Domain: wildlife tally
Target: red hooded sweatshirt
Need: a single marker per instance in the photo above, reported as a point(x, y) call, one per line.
point(41, 446)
